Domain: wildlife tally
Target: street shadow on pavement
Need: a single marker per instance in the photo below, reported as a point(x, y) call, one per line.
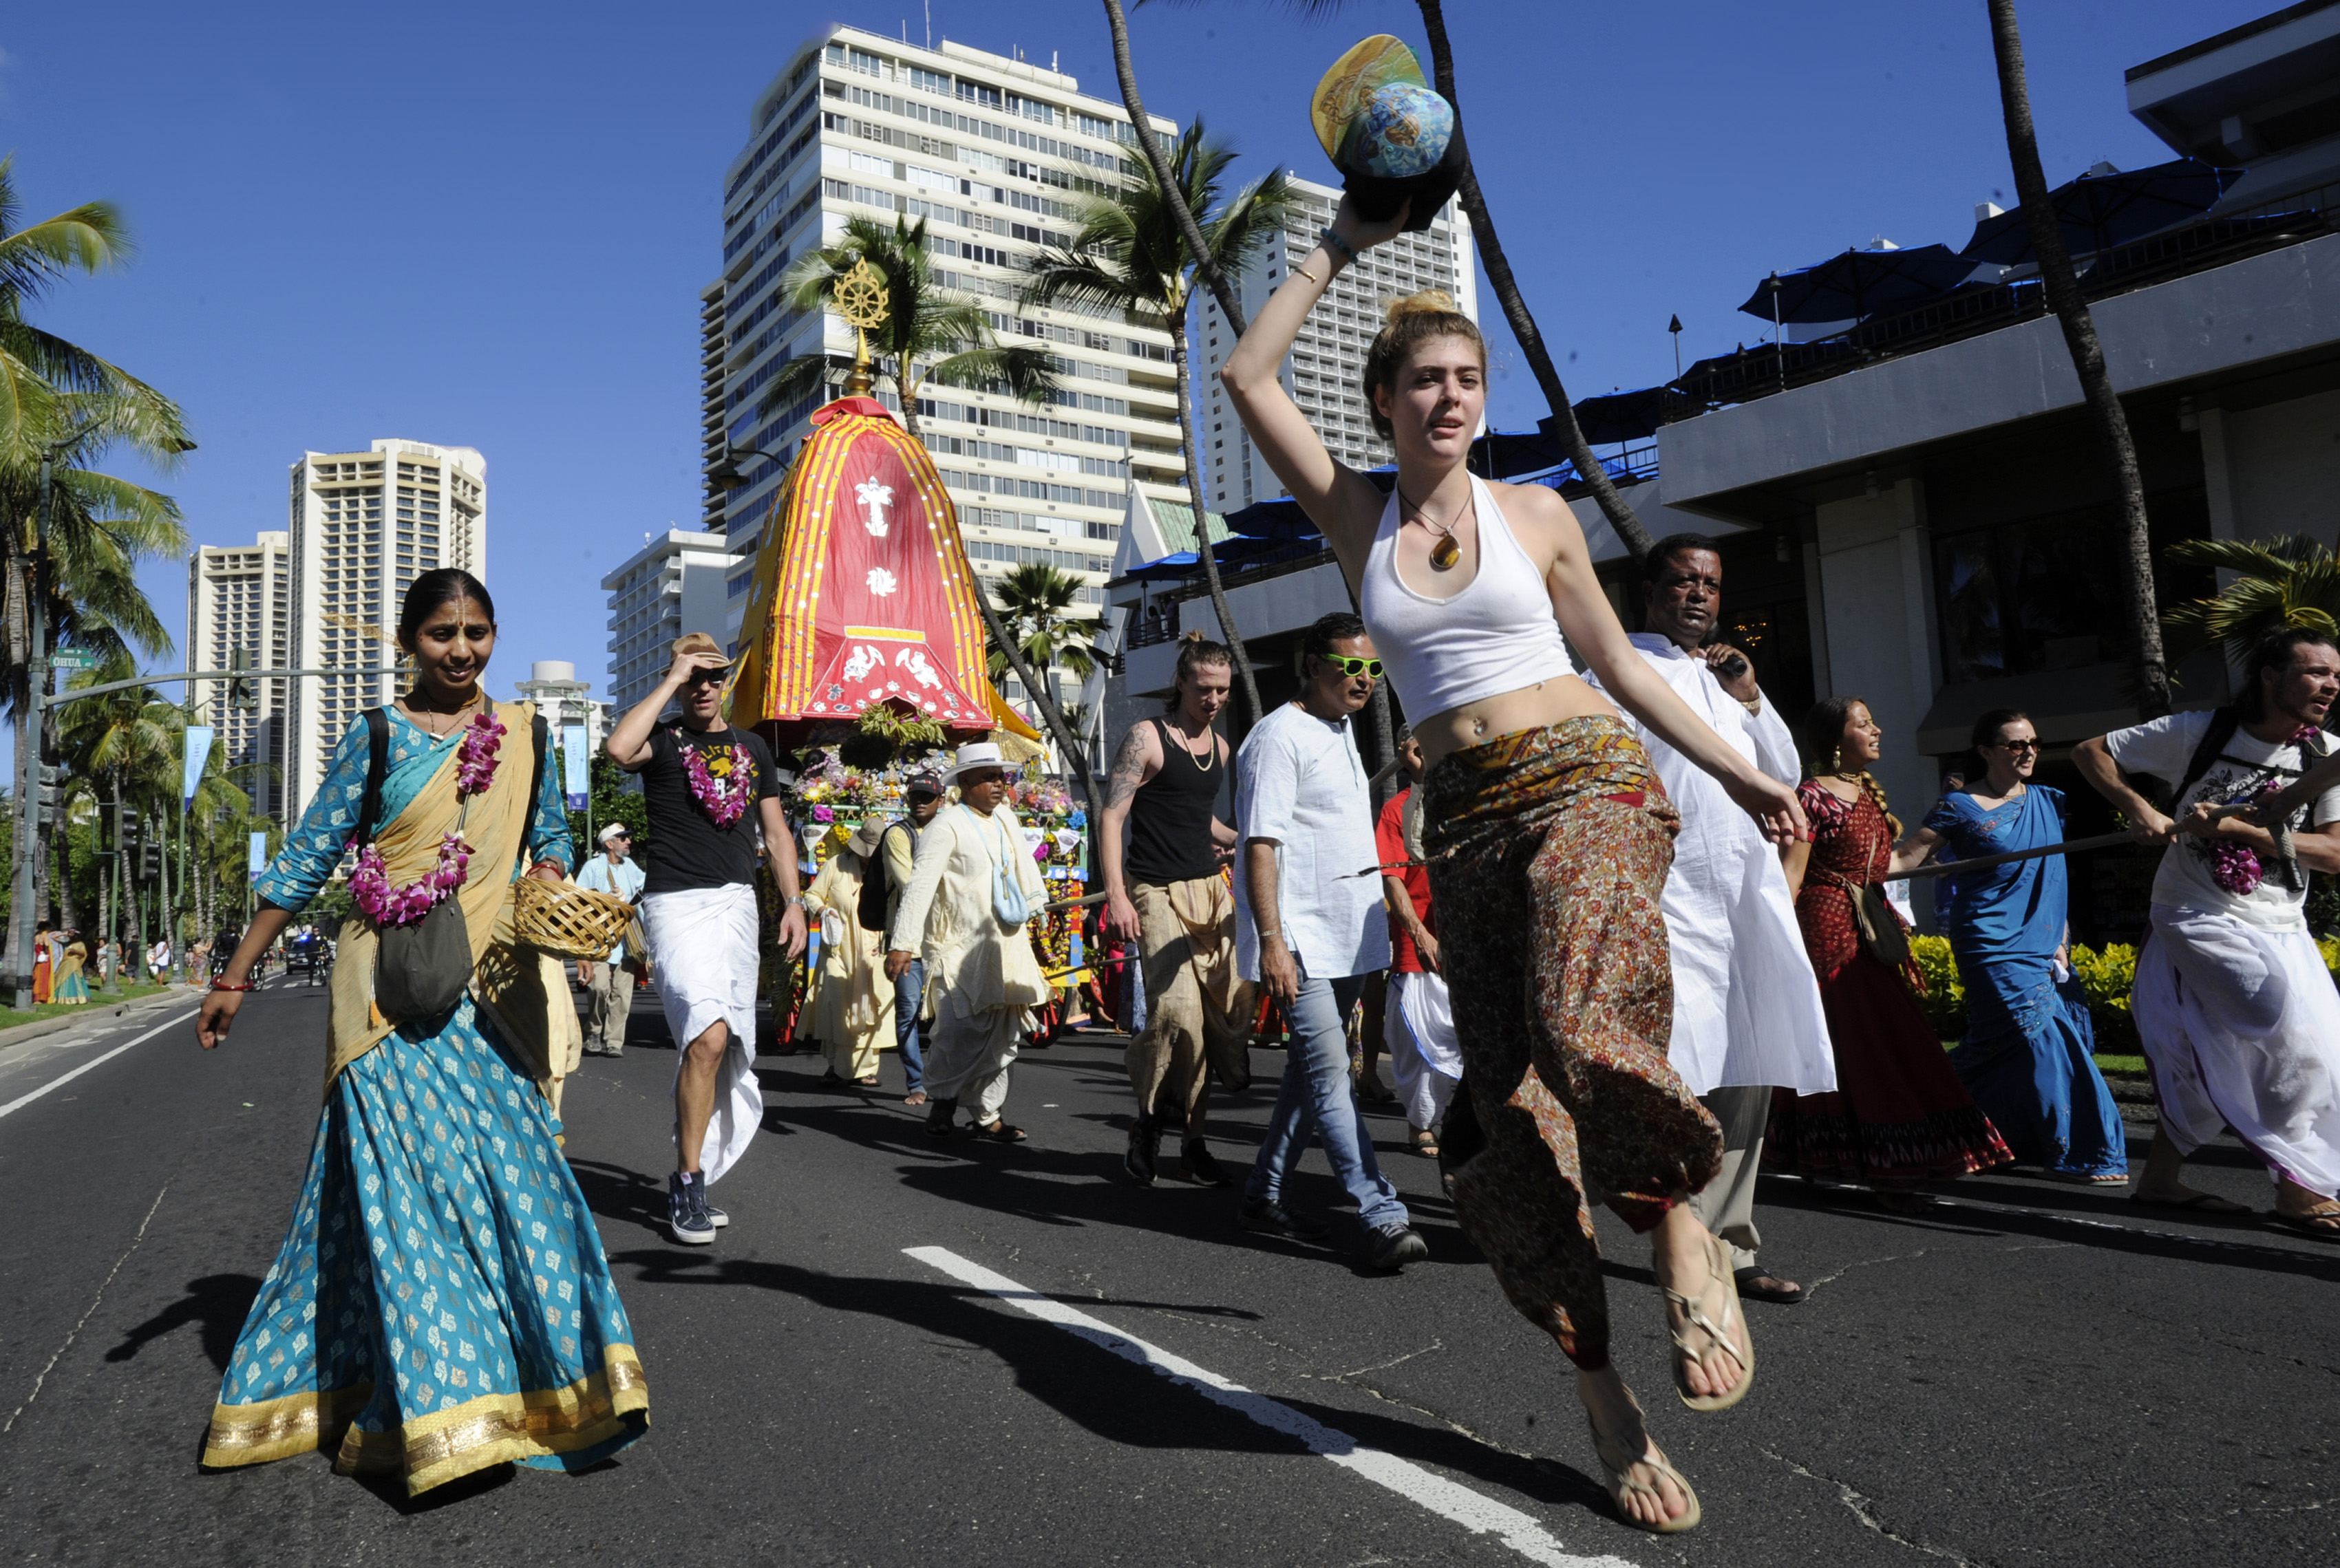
point(217, 1303)
point(1116, 1399)
point(615, 1192)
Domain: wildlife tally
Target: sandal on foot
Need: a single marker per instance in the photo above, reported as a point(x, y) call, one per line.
point(941, 1111)
point(1721, 1338)
point(1756, 1281)
point(869, 1082)
point(1617, 1462)
point(1000, 1131)
point(1425, 1143)
point(2322, 1224)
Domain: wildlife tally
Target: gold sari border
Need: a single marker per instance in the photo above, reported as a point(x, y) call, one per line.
point(502, 1428)
point(279, 1428)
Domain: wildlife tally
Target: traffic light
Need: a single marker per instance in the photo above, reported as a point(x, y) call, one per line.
point(149, 862)
point(243, 691)
point(46, 802)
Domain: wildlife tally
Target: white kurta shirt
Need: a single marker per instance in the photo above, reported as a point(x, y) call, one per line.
point(1301, 784)
point(1746, 1009)
point(972, 963)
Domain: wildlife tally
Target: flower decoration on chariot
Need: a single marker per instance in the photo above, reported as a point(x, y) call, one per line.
point(881, 581)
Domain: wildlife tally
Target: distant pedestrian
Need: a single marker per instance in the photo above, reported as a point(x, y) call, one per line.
point(608, 981)
point(2029, 1055)
point(2234, 1005)
point(1311, 928)
point(854, 1000)
point(712, 790)
point(1165, 890)
point(922, 794)
point(44, 969)
point(72, 988)
point(973, 889)
point(1898, 1118)
point(158, 959)
point(1418, 1021)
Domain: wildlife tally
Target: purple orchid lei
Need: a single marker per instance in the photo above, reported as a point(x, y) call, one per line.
point(2237, 867)
point(370, 888)
point(724, 800)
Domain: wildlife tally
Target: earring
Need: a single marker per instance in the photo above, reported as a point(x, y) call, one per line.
point(1836, 760)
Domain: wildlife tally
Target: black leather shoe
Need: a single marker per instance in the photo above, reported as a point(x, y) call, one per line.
point(1272, 1218)
point(1144, 1144)
point(1393, 1246)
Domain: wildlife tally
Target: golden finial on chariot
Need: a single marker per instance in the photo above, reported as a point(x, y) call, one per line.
point(861, 296)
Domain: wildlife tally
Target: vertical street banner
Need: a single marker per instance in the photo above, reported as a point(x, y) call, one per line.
point(199, 752)
point(577, 769)
point(258, 860)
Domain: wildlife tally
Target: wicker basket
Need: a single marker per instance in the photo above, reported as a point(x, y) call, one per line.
point(559, 917)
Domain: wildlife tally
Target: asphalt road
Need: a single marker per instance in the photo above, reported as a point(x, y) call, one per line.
point(906, 1353)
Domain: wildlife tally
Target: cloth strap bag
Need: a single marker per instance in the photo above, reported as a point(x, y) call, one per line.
point(1008, 904)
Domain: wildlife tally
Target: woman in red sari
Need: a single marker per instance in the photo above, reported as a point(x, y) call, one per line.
point(1899, 1117)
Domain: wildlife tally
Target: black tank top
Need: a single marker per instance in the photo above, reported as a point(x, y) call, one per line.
point(1170, 817)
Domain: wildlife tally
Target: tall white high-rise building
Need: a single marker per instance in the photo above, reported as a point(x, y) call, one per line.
point(991, 151)
point(1322, 370)
point(365, 525)
point(562, 699)
point(674, 584)
point(239, 600)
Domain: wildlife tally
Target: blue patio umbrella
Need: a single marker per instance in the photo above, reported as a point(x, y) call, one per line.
point(2106, 207)
point(1856, 284)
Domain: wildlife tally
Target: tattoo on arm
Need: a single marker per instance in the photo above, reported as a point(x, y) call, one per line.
point(1128, 769)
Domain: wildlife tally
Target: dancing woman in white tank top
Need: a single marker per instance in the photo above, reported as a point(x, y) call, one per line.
point(1548, 837)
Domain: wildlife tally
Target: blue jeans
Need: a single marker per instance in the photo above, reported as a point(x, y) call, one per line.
point(1317, 1098)
point(907, 992)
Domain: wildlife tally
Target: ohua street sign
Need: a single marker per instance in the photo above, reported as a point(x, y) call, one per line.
point(74, 659)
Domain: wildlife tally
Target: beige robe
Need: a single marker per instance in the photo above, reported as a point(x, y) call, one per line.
point(852, 1012)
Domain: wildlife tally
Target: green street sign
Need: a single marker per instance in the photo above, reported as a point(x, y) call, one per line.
point(74, 659)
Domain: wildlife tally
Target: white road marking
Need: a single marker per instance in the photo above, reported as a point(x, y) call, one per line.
point(23, 1100)
point(1479, 1515)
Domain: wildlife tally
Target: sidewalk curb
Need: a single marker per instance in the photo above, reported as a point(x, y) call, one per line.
point(25, 1033)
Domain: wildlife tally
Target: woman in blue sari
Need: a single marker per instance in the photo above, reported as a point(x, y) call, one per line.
point(2028, 1057)
point(441, 1303)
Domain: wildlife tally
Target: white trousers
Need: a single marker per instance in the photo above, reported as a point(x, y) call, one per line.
point(1425, 1058)
point(703, 945)
point(2242, 1026)
point(968, 1058)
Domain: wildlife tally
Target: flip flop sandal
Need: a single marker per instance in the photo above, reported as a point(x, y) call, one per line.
point(2322, 1224)
point(869, 1082)
point(2193, 1203)
point(1425, 1144)
point(1745, 1278)
point(1720, 1340)
point(1617, 1461)
point(1000, 1132)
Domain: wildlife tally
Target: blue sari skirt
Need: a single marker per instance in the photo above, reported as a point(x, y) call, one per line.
point(2031, 1063)
point(442, 1302)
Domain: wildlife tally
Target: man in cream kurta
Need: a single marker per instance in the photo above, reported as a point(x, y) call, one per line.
point(981, 972)
point(1747, 1008)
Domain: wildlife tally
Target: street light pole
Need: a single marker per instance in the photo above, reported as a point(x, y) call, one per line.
point(28, 744)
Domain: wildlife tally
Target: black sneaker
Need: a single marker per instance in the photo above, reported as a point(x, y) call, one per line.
point(1270, 1218)
point(686, 1212)
point(1144, 1144)
point(940, 1115)
point(1202, 1166)
point(1393, 1246)
point(715, 1216)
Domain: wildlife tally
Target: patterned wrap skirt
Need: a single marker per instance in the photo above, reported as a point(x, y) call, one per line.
point(1548, 849)
point(441, 1303)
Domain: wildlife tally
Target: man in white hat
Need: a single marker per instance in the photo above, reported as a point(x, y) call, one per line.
point(972, 888)
point(609, 983)
point(712, 791)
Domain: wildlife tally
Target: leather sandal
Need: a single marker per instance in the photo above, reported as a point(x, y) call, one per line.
point(1425, 1142)
point(1617, 1462)
point(1721, 1339)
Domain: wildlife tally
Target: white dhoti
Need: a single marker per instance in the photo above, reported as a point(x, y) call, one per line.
point(1425, 1058)
point(1746, 1009)
point(970, 1056)
point(2242, 1027)
point(703, 945)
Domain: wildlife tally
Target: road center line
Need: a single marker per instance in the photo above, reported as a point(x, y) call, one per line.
point(23, 1100)
point(1480, 1514)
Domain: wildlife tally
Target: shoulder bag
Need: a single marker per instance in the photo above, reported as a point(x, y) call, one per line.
point(1008, 904)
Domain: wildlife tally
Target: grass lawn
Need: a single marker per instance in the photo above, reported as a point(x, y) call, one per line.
point(99, 1001)
point(2113, 1066)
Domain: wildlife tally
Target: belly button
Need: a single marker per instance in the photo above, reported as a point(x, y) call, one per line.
point(1478, 726)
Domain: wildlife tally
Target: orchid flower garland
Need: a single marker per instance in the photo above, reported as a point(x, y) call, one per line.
point(370, 885)
point(2237, 867)
point(724, 799)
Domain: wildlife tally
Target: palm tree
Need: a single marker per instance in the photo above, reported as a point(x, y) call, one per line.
point(118, 743)
point(1034, 602)
point(931, 334)
point(1131, 255)
point(2290, 580)
point(1500, 277)
point(2062, 286)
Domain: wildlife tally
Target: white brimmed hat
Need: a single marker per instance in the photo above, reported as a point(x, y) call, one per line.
point(973, 755)
point(612, 831)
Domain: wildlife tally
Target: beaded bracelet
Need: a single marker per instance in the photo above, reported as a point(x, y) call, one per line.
point(1335, 241)
point(224, 985)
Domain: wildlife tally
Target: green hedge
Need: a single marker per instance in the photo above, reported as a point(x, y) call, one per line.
point(2106, 974)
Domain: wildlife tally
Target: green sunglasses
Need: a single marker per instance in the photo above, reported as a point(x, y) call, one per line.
point(1369, 668)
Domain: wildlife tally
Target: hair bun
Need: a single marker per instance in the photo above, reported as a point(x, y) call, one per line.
point(1427, 302)
point(1192, 635)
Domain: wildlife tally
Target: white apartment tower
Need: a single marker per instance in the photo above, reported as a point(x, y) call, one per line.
point(239, 600)
point(1321, 372)
point(365, 525)
point(674, 584)
point(991, 151)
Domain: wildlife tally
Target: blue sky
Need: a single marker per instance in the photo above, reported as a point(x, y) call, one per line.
point(487, 224)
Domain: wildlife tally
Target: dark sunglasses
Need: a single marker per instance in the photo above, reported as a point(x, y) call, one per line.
point(1369, 668)
point(706, 677)
point(2016, 745)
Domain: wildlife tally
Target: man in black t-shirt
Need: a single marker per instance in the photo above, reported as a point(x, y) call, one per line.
point(711, 788)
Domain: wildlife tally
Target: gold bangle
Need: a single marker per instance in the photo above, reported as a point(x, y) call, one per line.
point(1304, 273)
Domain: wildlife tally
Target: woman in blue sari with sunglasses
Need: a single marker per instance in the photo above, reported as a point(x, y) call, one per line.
point(2028, 1057)
point(441, 1303)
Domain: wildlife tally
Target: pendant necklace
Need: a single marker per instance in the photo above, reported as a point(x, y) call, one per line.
point(1445, 552)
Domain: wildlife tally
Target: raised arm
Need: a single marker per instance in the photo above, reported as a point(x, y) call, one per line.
point(1342, 502)
point(1585, 616)
point(1137, 760)
point(629, 744)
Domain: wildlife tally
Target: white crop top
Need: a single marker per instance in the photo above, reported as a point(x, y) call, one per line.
point(1496, 635)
